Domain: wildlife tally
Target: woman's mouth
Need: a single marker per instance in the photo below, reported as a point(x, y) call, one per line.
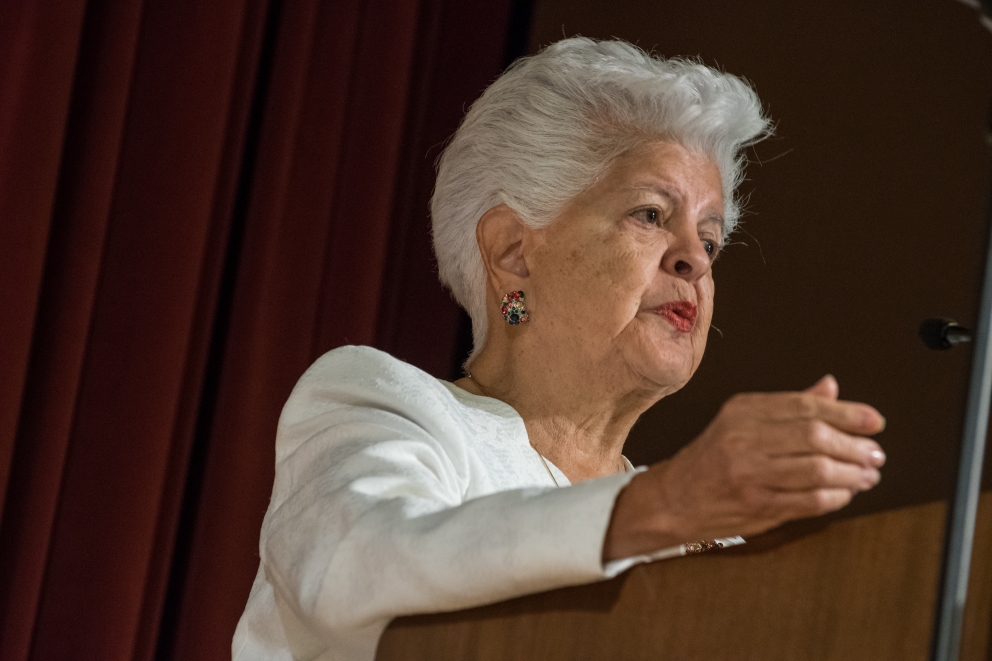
point(680, 314)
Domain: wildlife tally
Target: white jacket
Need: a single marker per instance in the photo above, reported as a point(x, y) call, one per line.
point(397, 493)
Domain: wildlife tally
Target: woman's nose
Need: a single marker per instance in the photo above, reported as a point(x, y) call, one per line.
point(686, 256)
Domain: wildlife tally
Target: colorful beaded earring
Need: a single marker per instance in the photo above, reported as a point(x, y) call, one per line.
point(514, 309)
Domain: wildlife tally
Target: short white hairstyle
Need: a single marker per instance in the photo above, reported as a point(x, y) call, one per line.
point(554, 122)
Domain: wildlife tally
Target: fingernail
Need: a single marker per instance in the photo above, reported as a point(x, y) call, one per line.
point(872, 419)
point(877, 458)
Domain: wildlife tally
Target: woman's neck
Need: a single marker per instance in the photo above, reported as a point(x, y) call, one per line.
point(577, 423)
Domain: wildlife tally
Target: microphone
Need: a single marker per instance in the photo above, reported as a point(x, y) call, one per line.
point(941, 334)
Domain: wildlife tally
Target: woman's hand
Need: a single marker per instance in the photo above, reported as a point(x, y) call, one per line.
point(764, 460)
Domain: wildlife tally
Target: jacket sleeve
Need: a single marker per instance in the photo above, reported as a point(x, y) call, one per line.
point(369, 521)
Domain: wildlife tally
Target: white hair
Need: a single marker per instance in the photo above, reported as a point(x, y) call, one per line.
point(554, 122)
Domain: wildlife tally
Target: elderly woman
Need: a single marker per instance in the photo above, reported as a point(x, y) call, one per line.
point(578, 212)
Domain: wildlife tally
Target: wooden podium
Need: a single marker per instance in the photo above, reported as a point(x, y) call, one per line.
point(844, 590)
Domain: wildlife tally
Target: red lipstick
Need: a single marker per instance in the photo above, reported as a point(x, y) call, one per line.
point(680, 314)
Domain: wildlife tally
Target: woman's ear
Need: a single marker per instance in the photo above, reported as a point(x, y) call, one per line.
point(500, 234)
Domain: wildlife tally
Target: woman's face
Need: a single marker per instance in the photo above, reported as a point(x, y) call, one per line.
point(622, 278)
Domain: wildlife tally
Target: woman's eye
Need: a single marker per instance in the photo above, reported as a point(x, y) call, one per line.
point(648, 216)
point(711, 247)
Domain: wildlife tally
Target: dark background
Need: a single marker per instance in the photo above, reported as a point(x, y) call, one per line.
point(198, 199)
point(867, 212)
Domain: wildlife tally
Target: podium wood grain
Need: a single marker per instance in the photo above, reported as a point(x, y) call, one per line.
point(861, 588)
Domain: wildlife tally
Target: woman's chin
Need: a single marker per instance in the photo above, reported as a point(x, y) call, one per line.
point(667, 371)
point(667, 360)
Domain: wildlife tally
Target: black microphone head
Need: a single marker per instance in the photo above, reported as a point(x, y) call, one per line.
point(933, 332)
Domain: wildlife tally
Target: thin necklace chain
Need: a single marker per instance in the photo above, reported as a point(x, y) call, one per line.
point(545, 462)
point(547, 466)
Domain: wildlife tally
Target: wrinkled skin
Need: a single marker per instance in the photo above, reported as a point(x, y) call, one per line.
point(599, 351)
point(643, 235)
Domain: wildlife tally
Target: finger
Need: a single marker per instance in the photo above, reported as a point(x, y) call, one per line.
point(825, 387)
point(802, 504)
point(815, 437)
point(809, 472)
point(853, 417)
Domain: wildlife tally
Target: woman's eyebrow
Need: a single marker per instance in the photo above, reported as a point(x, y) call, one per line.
point(713, 218)
point(658, 189)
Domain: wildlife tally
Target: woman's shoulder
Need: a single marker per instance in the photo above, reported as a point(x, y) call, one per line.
point(359, 388)
point(360, 384)
point(363, 365)
point(362, 376)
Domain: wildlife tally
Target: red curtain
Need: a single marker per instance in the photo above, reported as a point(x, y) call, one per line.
point(197, 200)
